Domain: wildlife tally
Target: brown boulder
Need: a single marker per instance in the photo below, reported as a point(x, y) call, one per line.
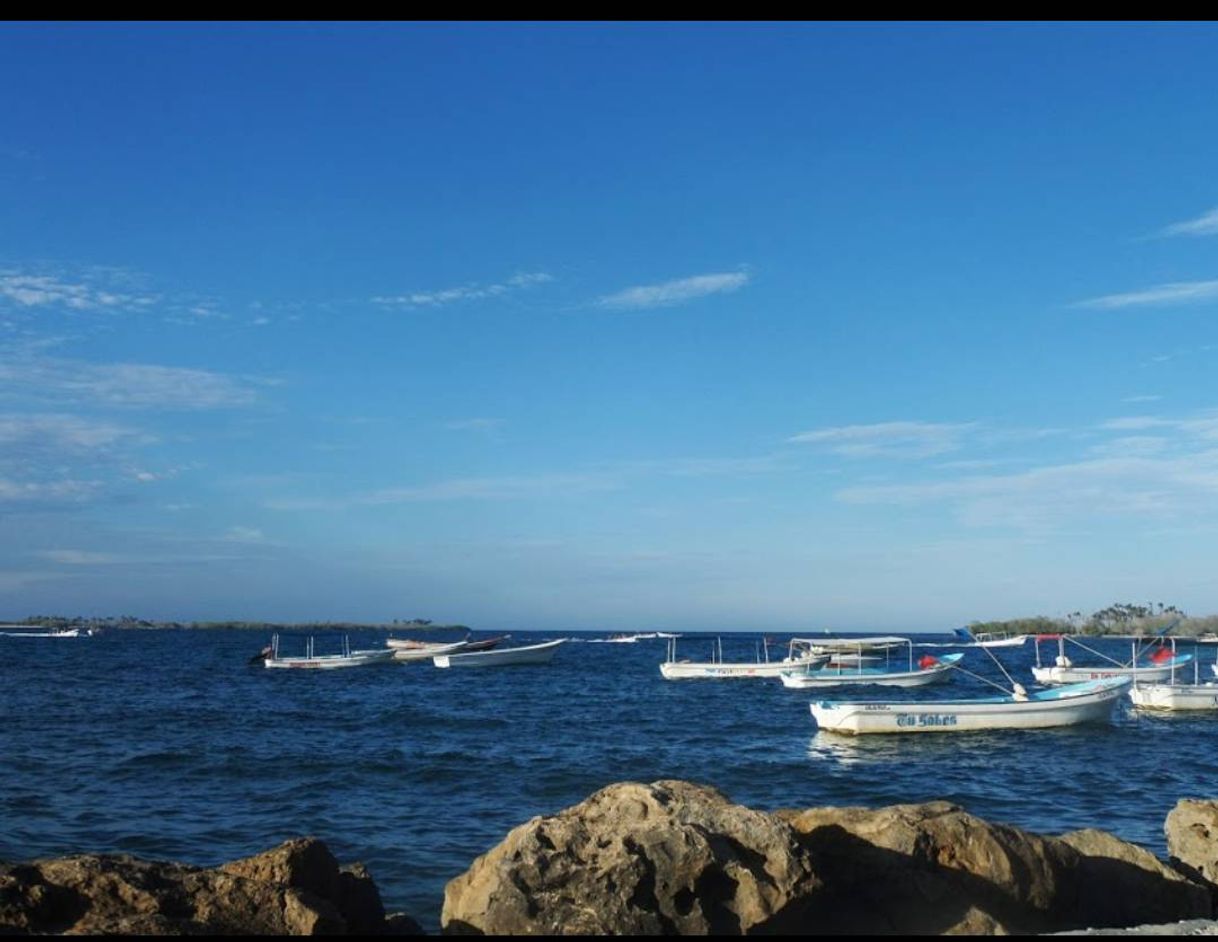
point(669, 857)
point(933, 868)
point(1191, 829)
point(295, 889)
point(1128, 885)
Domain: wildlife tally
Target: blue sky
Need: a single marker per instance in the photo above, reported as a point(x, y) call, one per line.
point(608, 326)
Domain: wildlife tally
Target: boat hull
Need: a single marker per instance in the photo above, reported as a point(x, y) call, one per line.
point(1015, 642)
point(694, 670)
point(501, 657)
point(424, 652)
point(833, 677)
point(1175, 696)
point(1065, 706)
point(327, 662)
point(1075, 675)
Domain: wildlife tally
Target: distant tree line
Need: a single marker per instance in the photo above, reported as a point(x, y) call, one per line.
point(1120, 618)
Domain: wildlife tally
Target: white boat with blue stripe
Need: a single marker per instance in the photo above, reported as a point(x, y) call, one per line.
point(1088, 702)
point(1158, 665)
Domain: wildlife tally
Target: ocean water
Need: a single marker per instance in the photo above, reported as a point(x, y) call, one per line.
point(166, 744)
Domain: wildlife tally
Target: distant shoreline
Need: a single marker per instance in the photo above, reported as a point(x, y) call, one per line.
point(145, 625)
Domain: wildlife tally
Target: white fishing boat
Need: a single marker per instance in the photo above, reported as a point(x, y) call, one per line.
point(33, 631)
point(1155, 667)
point(501, 657)
point(896, 667)
point(989, 639)
point(406, 650)
point(1090, 701)
point(314, 661)
point(1174, 694)
point(800, 654)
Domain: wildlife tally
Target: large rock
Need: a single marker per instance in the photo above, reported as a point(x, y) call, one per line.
point(1192, 840)
point(1121, 884)
point(295, 889)
point(933, 868)
point(670, 857)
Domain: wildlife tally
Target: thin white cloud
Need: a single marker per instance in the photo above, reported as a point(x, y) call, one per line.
point(74, 557)
point(53, 430)
point(1133, 423)
point(544, 486)
point(33, 492)
point(1203, 225)
point(1149, 466)
point(465, 292)
point(41, 290)
point(679, 291)
point(12, 581)
point(976, 464)
point(1049, 496)
point(244, 535)
point(541, 486)
point(518, 487)
point(155, 555)
point(137, 385)
point(888, 439)
point(706, 467)
point(1132, 399)
point(1178, 292)
point(480, 424)
point(1138, 446)
point(1204, 427)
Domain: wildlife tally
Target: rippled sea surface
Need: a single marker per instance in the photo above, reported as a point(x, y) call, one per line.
point(167, 744)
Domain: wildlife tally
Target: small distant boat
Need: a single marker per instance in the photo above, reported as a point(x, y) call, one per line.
point(899, 670)
point(989, 639)
point(483, 644)
point(529, 654)
point(1155, 667)
point(1208, 638)
point(800, 655)
point(408, 650)
point(313, 661)
point(1090, 701)
point(31, 631)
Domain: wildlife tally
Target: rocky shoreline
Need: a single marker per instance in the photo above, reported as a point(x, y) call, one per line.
point(672, 857)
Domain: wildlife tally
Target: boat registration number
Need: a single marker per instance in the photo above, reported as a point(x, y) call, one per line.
point(926, 719)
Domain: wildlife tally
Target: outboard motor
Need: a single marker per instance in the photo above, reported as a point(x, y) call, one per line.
point(262, 655)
